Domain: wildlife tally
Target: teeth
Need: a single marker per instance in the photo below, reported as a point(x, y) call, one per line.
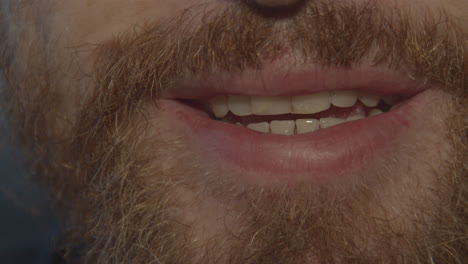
point(355, 117)
point(310, 104)
point(369, 99)
point(240, 105)
point(268, 105)
point(219, 106)
point(330, 121)
point(344, 98)
point(282, 127)
point(307, 125)
point(375, 112)
point(307, 104)
point(300, 126)
point(263, 127)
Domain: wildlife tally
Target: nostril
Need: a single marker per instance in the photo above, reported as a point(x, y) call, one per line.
point(276, 3)
point(277, 9)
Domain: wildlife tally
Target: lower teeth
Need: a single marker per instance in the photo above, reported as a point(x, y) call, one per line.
point(302, 126)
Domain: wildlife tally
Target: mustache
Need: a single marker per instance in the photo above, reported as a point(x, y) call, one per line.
point(136, 67)
point(141, 64)
point(324, 33)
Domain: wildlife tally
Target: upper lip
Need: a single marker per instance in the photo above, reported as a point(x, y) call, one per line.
point(275, 82)
point(328, 153)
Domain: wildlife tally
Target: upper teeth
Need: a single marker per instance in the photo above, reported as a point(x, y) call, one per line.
point(310, 104)
point(306, 104)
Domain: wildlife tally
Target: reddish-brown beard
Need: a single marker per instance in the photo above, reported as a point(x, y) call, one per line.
point(106, 170)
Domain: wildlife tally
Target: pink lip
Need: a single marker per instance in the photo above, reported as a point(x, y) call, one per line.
point(327, 154)
point(273, 82)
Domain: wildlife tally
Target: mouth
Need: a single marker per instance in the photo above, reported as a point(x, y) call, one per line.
point(308, 126)
point(292, 115)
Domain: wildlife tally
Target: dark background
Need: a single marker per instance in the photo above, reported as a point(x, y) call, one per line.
point(28, 226)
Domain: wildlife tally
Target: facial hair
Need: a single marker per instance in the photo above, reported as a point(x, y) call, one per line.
point(121, 186)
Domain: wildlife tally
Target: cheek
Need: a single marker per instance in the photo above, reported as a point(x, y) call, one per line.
point(76, 27)
point(95, 21)
point(459, 9)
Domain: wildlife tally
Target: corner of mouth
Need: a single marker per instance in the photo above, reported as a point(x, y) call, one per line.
point(298, 123)
point(289, 103)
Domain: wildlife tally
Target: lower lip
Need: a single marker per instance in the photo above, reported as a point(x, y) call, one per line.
point(323, 155)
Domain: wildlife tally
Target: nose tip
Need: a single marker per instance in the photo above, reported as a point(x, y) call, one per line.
point(275, 3)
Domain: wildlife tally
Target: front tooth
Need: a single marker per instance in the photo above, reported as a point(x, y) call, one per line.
point(369, 100)
point(271, 105)
point(285, 127)
point(310, 104)
point(240, 105)
point(344, 98)
point(219, 106)
point(307, 125)
point(375, 112)
point(263, 127)
point(355, 117)
point(330, 121)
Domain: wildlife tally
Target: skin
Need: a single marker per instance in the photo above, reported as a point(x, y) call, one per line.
point(68, 34)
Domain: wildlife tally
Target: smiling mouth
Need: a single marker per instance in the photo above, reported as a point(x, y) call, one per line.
point(325, 124)
point(289, 115)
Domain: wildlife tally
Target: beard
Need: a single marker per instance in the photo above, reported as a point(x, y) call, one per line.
point(133, 195)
